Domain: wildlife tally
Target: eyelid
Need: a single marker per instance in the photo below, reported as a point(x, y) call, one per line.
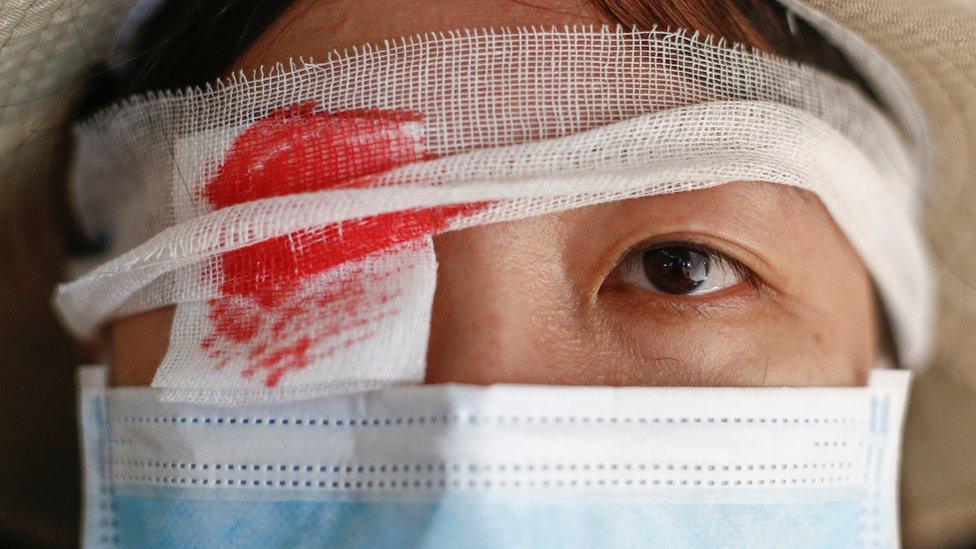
point(768, 277)
point(632, 259)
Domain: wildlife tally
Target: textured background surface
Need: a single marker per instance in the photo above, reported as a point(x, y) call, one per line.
point(45, 47)
point(934, 44)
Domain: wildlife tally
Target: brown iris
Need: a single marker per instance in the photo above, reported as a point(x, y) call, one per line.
point(675, 269)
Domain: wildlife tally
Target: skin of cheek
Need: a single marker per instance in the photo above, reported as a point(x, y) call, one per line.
point(763, 347)
point(505, 310)
point(514, 300)
point(842, 318)
point(138, 344)
point(815, 325)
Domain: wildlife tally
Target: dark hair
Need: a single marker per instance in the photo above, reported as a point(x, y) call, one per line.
point(192, 42)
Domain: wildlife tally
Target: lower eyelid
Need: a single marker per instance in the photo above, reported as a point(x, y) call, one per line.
point(728, 301)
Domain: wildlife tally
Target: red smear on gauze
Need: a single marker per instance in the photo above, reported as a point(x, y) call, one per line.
point(263, 286)
point(296, 150)
point(271, 271)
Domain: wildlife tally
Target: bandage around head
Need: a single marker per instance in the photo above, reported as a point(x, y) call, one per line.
point(288, 216)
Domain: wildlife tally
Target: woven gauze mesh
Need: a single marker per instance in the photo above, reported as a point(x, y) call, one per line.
point(245, 202)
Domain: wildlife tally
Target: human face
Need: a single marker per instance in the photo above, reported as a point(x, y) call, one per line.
point(749, 283)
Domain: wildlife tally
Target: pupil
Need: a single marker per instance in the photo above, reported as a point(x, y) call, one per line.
point(675, 270)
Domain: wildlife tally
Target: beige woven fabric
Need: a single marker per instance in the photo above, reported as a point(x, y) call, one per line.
point(933, 44)
point(46, 47)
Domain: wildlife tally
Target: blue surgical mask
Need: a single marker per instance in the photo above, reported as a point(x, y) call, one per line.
point(497, 466)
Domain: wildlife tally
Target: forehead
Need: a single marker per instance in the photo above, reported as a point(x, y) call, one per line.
point(313, 28)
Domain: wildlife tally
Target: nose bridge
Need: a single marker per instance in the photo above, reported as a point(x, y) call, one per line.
point(489, 300)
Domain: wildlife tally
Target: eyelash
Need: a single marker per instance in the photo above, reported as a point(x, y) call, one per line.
point(632, 260)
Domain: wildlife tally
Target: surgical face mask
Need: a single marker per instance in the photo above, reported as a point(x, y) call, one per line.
point(499, 466)
point(289, 219)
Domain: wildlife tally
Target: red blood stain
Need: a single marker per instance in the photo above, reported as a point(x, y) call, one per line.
point(280, 361)
point(296, 150)
point(271, 271)
point(238, 322)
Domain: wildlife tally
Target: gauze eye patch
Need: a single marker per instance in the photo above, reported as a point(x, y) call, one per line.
point(289, 216)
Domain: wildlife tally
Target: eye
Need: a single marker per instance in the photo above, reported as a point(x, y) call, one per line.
point(680, 269)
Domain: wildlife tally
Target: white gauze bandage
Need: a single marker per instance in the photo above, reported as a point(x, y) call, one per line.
point(288, 216)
